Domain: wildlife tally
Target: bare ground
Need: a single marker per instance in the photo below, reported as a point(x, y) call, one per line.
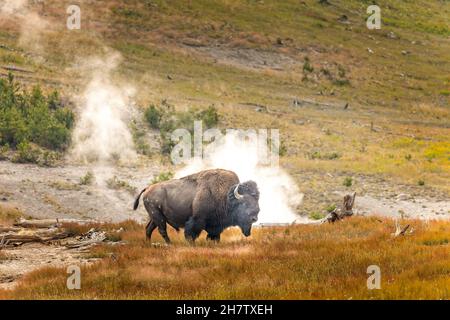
point(20, 260)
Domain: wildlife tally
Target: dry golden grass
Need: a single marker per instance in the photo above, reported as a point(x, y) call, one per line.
point(298, 262)
point(8, 214)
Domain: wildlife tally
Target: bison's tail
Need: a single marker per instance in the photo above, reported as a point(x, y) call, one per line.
point(136, 202)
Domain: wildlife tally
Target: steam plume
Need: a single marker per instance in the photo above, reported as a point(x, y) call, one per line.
point(101, 133)
point(279, 195)
point(32, 26)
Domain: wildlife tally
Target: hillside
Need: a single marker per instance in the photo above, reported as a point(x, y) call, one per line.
point(248, 58)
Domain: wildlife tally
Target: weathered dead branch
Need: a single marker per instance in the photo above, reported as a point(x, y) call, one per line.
point(346, 210)
point(46, 231)
point(399, 231)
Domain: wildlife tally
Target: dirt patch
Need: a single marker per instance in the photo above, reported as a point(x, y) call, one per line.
point(15, 262)
point(42, 192)
point(247, 58)
point(404, 206)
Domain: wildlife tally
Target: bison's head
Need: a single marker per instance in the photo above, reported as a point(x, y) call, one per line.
point(243, 205)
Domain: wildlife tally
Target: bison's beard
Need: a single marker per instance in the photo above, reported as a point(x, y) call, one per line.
point(246, 230)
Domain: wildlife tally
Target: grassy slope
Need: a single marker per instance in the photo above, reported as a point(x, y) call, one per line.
point(307, 262)
point(405, 95)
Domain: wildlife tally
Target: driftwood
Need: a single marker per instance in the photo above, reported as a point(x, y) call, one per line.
point(88, 239)
point(18, 239)
point(46, 231)
point(346, 210)
point(46, 223)
point(4, 229)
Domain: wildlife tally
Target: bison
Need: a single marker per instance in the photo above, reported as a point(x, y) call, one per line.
point(210, 200)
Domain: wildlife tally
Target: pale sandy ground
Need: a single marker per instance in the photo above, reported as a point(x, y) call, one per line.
point(29, 257)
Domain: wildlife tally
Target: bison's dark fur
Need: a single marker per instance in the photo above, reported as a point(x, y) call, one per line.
point(210, 200)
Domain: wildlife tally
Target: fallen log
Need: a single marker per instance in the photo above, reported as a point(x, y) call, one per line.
point(47, 223)
point(9, 229)
point(18, 239)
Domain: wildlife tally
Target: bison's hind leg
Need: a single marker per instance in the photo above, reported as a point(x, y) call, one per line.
point(157, 220)
point(149, 229)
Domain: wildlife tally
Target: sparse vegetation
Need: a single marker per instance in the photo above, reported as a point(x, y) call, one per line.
point(167, 120)
point(87, 179)
point(116, 184)
point(9, 214)
point(140, 139)
point(316, 215)
point(64, 185)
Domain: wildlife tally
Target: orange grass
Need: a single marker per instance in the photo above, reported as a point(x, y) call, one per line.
point(326, 261)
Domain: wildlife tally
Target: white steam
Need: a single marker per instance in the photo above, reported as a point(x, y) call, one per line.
point(32, 26)
point(101, 133)
point(279, 195)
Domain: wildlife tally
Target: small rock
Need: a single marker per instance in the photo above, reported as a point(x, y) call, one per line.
point(343, 19)
point(403, 197)
point(370, 50)
point(391, 35)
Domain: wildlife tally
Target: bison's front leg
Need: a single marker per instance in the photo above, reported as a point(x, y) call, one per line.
point(193, 228)
point(213, 237)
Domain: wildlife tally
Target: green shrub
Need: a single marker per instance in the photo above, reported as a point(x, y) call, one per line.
point(4, 152)
point(116, 184)
point(421, 182)
point(348, 182)
point(48, 158)
point(26, 153)
point(210, 117)
point(307, 67)
point(163, 176)
point(140, 139)
point(167, 120)
point(153, 116)
point(316, 215)
point(87, 179)
point(33, 117)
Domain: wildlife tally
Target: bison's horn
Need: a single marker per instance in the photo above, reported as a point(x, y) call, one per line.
point(236, 193)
